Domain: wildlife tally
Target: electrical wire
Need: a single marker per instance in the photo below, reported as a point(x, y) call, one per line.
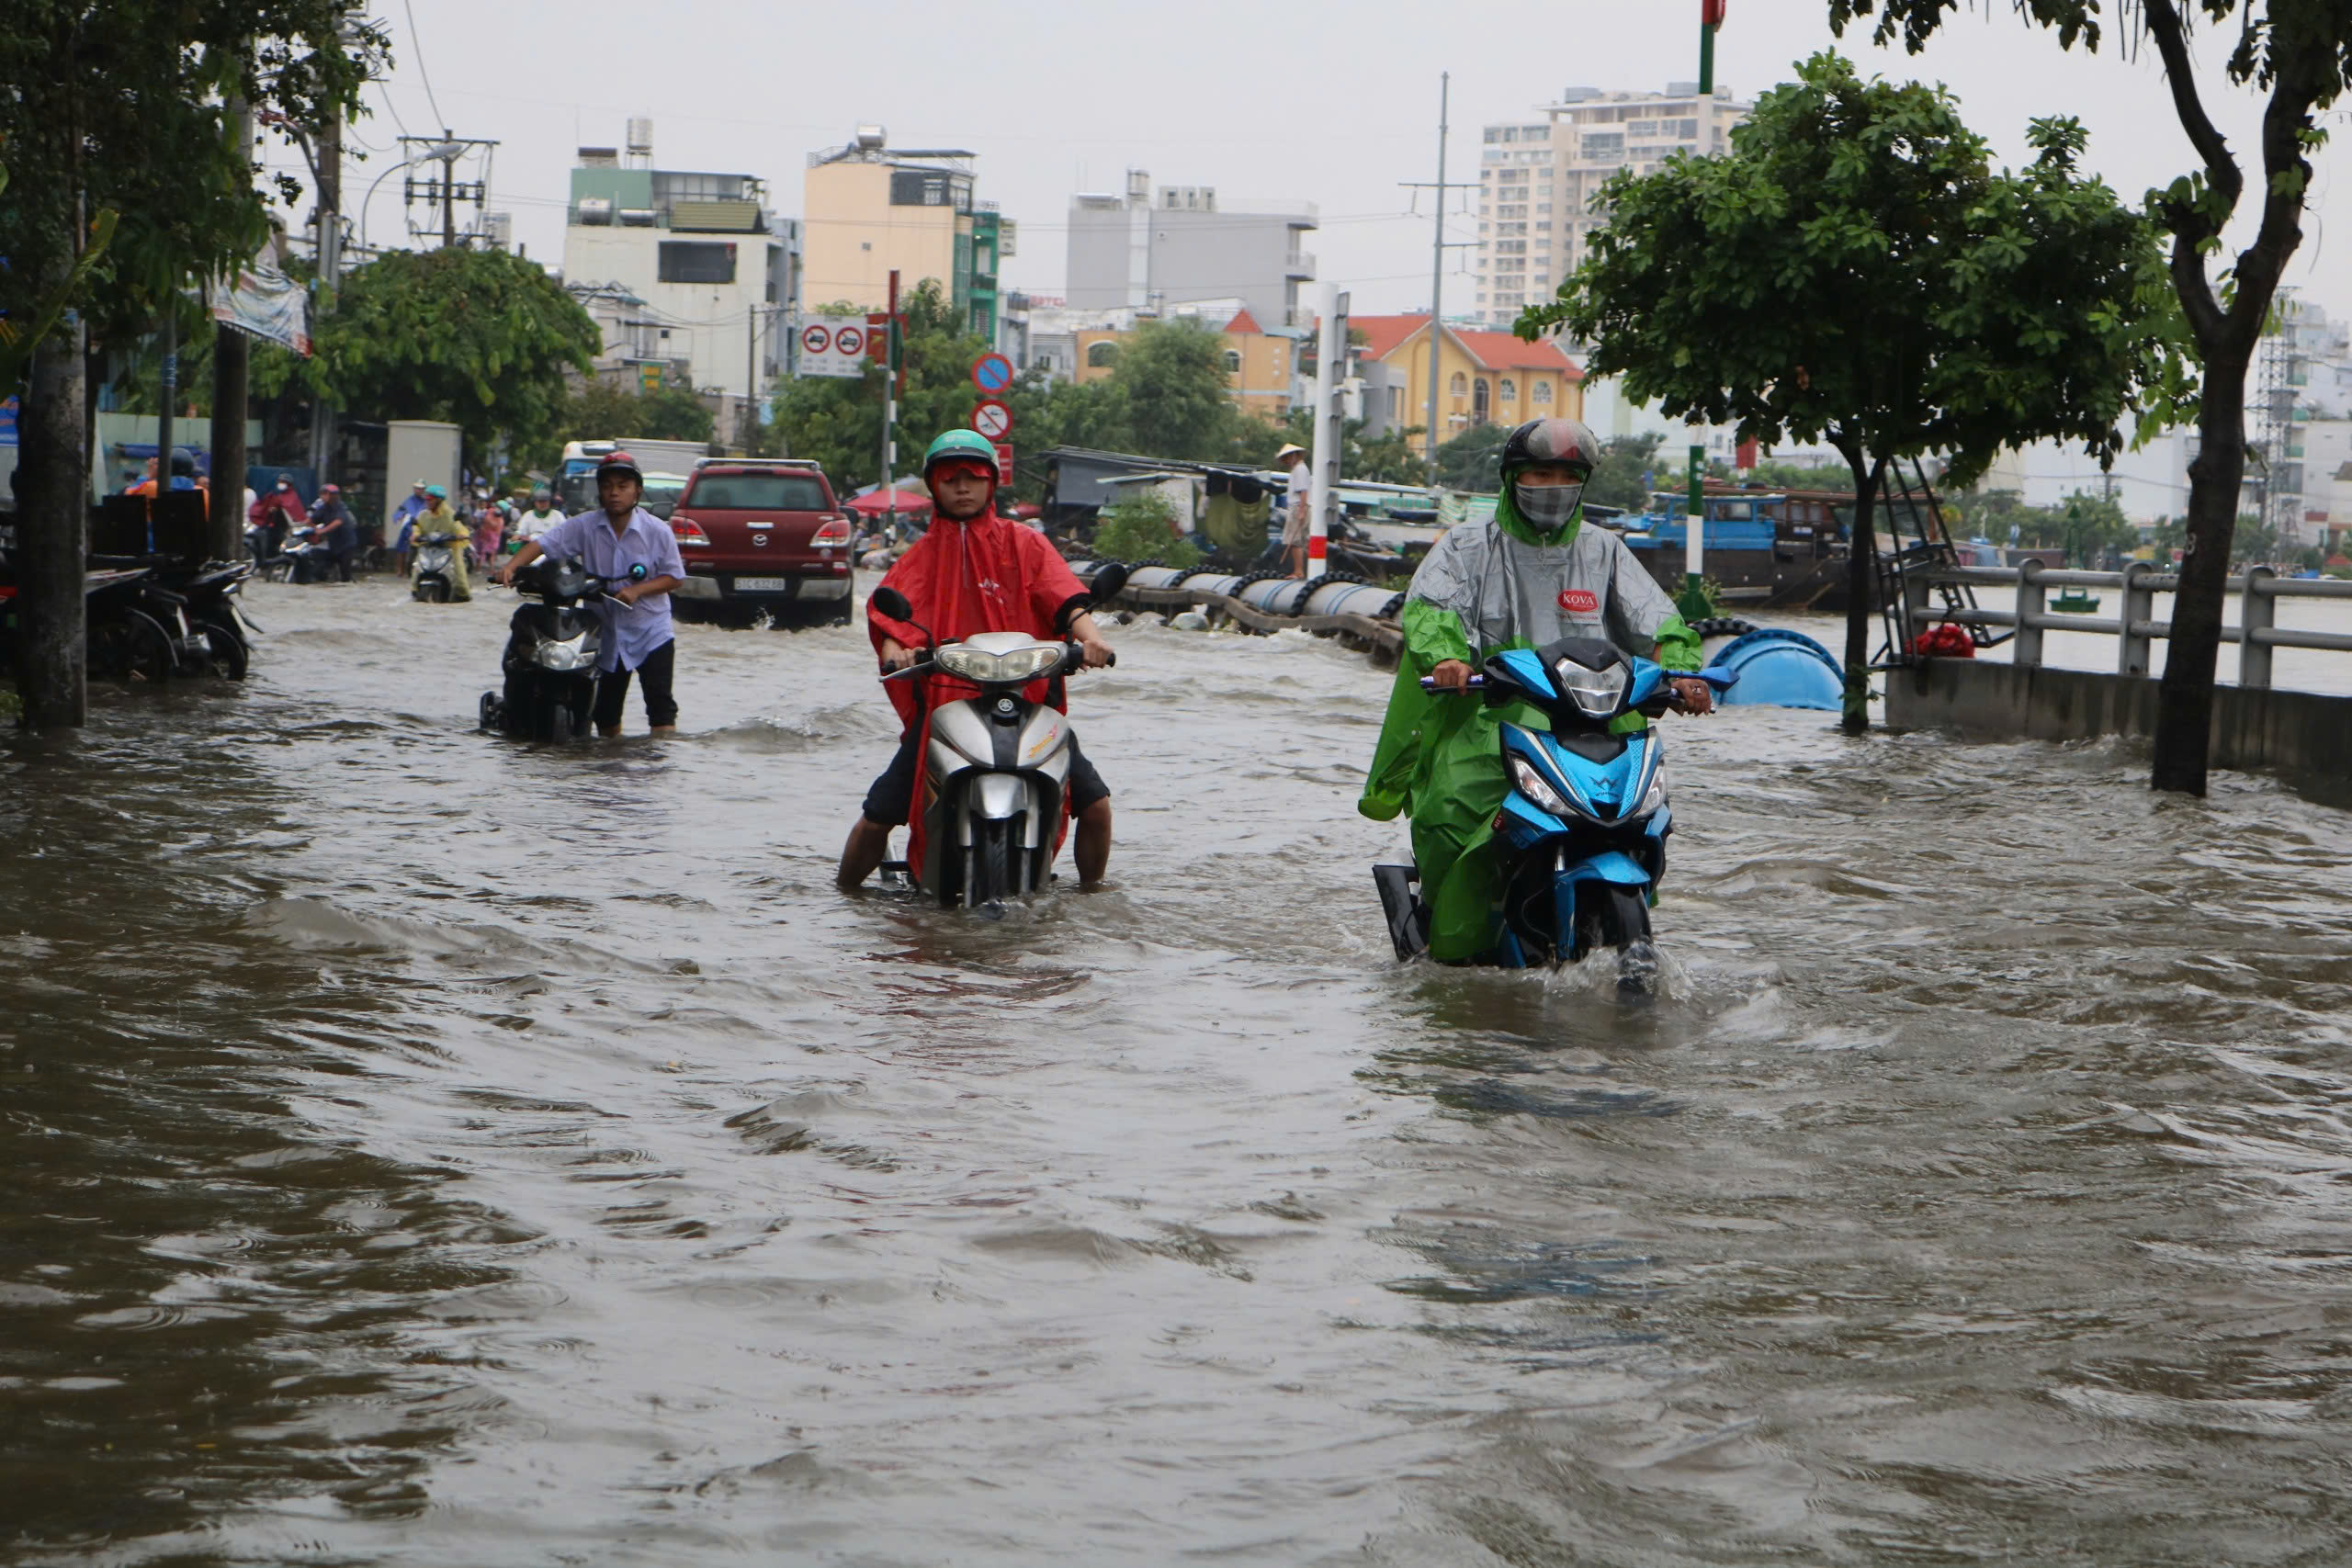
point(416, 42)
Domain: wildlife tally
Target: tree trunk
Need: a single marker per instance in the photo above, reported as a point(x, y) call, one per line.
point(2185, 703)
point(231, 353)
point(1862, 571)
point(52, 534)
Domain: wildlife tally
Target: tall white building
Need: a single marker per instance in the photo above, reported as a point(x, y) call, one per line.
point(1183, 246)
point(1536, 179)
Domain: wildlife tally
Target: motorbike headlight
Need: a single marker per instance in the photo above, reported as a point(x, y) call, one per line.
point(1531, 784)
point(968, 662)
point(568, 654)
point(1596, 693)
point(1026, 663)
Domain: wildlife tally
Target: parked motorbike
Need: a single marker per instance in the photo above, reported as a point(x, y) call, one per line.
point(434, 575)
point(552, 649)
point(215, 608)
point(993, 803)
point(138, 630)
point(1583, 827)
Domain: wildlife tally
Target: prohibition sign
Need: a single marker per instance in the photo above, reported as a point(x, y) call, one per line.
point(815, 339)
point(850, 342)
point(992, 418)
point(992, 373)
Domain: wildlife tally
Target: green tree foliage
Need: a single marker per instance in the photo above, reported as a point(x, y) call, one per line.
point(1627, 472)
point(126, 108)
point(1166, 396)
point(598, 408)
point(2299, 52)
point(1144, 527)
point(479, 338)
point(1856, 271)
point(1474, 460)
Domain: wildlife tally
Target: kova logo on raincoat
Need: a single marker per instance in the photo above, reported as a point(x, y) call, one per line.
point(1579, 600)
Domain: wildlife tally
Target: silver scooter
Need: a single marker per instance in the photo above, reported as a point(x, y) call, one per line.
point(994, 792)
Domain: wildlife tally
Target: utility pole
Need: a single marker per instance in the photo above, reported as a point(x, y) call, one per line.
point(1330, 429)
point(446, 151)
point(890, 405)
point(1692, 602)
point(329, 172)
point(1439, 246)
point(232, 365)
point(1437, 260)
point(448, 192)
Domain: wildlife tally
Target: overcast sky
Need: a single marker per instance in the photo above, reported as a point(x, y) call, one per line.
point(1306, 99)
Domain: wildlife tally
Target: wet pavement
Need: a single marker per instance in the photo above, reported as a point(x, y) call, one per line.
point(424, 1148)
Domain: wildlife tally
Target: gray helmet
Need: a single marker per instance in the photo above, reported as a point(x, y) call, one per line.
point(1550, 441)
point(183, 463)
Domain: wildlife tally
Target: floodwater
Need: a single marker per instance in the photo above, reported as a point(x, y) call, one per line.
point(426, 1149)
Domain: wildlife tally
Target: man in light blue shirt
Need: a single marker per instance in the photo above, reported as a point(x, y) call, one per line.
point(636, 554)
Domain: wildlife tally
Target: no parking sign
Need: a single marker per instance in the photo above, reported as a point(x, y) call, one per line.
point(833, 346)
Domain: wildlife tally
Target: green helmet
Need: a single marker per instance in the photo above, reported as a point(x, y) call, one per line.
point(965, 444)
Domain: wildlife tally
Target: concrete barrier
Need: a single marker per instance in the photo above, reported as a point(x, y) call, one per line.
point(2302, 733)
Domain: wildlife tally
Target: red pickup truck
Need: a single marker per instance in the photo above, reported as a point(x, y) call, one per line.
point(761, 533)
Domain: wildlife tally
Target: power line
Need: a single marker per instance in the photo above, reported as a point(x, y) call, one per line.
point(416, 42)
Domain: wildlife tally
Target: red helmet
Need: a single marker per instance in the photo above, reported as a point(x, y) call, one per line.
point(618, 463)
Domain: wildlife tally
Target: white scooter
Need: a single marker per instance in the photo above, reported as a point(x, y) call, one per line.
point(993, 801)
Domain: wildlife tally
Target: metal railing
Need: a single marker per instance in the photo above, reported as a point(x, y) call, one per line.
point(2135, 627)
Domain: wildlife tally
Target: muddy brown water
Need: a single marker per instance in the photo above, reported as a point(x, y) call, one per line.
point(426, 1149)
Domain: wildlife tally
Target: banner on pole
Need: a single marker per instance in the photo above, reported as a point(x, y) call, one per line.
point(264, 302)
point(833, 346)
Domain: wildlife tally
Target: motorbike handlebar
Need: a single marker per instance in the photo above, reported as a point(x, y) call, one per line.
point(1428, 684)
point(1073, 658)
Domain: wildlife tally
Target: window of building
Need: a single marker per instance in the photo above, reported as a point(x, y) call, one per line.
point(1101, 355)
point(695, 260)
point(1459, 384)
point(1479, 403)
point(1604, 145)
point(1541, 392)
point(1509, 390)
point(1233, 362)
point(1512, 247)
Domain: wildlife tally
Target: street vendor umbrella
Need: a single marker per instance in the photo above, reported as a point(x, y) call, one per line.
point(874, 502)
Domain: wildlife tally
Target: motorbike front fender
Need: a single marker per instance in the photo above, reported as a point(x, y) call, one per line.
point(1613, 866)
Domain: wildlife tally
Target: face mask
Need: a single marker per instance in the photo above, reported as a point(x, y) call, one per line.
point(1546, 506)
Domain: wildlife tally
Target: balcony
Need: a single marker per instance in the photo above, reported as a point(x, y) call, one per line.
point(1299, 264)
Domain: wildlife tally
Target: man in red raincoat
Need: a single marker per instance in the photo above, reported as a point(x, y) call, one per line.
point(975, 572)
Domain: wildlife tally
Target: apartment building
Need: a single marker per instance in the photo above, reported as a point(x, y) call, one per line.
point(682, 269)
point(870, 210)
point(1537, 179)
point(1184, 244)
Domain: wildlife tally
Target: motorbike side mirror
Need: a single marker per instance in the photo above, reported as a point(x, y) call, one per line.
point(892, 603)
point(1109, 578)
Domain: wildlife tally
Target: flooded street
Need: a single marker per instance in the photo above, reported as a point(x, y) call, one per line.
point(428, 1149)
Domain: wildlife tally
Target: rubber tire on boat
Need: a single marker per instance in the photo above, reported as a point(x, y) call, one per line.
point(1723, 626)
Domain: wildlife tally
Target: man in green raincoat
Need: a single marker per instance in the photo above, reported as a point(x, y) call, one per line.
point(1531, 576)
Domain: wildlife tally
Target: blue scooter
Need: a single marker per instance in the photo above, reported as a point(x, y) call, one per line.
point(1582, 829)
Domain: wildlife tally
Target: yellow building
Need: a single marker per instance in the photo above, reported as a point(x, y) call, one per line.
point(1483, 377)
point(1256, 363)
point(869, 209)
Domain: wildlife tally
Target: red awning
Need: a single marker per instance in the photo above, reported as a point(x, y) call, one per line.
point(874, 504)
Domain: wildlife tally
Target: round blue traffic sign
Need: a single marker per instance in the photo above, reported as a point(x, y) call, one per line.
point(991, 372)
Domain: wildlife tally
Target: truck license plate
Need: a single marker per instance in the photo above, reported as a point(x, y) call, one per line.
point(763, 585)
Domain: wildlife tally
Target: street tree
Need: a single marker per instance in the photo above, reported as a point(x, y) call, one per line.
point(1474, 460)
point(1626, 473)
point(671, 412)
point(2299, 52)
point(1854, 270)
point(1169, 393)
point(126, 109)
point(480, 339)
